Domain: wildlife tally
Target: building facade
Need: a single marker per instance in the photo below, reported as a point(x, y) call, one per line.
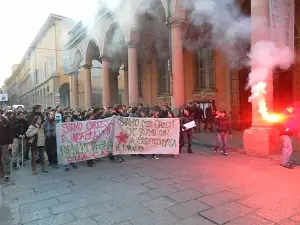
point(10, 87)
point(149, 61)
point(40, 75)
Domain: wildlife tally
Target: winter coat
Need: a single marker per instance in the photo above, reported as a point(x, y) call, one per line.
point(6, 136)
point(35, 133)
point(19, 127)
point(223, 125)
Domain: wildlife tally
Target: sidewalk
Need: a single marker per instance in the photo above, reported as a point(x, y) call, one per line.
point(207, 140)
point(196, 189)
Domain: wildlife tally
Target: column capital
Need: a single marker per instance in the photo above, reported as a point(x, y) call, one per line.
point(131, 44)
point(106, 58)
point(175, 22)
point(86, 66)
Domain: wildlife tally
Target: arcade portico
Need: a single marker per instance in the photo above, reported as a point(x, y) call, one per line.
point(142, 48)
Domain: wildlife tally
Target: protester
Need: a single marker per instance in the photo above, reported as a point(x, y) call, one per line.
point(50, 134)
point(6, 140)
point(68, 119)
point(223, 127)
point(186, 134)
point(210, 113)
point(19, 128)
point(36, 136)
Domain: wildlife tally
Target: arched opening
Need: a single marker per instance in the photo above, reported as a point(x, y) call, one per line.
point(91, 59)
point(64, 93)
point(154, 62)
point(116, 51)
point(96, 73)
point(76, 87)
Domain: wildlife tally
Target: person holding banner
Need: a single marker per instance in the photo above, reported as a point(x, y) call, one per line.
point(186, 133)
point(50, 134)
point(68, 119)
point(36, 136)
point(117, 111)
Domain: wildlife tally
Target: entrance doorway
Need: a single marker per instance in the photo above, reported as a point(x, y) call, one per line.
point(245, 105)
point(283, 90)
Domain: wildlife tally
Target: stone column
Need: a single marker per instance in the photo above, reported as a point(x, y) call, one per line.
point(114, 87)
point(148, 83)
point(177, 79)
point(106, 99)
point(126, 90)
point(133, 86)
point(88, 86)
point(261, 139)
point(74, 91)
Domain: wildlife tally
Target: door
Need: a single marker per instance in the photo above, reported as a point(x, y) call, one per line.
point(245, 105)
point(283, 90)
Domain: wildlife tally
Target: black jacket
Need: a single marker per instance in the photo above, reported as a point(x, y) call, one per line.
point(163, 114)
point(223, 125)
point(198, 113)
point(6, 137)
point(184, 120)
point(19, 127)
point(33, 114)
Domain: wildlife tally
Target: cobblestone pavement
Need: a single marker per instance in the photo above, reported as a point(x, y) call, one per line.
point(197, 189)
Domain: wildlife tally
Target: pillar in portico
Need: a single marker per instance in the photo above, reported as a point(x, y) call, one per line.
point(74, 91)
point(178, 90)
point(133, 87)
point(114, 87)
point(147, 84)
point(126, 90)
point(106, 97)
point(261, 138)
point(87, 86)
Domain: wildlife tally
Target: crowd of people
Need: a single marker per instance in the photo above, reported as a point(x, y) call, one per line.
point(22, 132)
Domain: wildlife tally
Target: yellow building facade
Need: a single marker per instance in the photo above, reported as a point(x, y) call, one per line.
point(40, 75)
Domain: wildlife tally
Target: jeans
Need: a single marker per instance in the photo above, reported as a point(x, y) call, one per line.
point(5, 159)
point(34, 151)
point(17, 149)
point(198, 125)
point(209, 122)
point(186, 137)
point(51, 149)
point(222, 142)
point(287, 149)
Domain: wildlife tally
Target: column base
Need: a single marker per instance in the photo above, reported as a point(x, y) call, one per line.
point(261, 141)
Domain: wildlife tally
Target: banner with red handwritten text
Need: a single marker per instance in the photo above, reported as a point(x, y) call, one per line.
point(84, 140)
point(146, 136)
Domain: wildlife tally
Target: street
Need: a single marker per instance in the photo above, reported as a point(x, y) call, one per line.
point(196, 189)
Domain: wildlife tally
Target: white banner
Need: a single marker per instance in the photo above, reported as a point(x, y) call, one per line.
point(81, 141)
point(282, 22)
point(146, 136)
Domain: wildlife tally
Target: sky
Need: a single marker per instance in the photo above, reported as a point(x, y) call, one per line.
point(21, 20)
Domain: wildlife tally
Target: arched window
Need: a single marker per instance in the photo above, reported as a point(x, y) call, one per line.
point(204, 74)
